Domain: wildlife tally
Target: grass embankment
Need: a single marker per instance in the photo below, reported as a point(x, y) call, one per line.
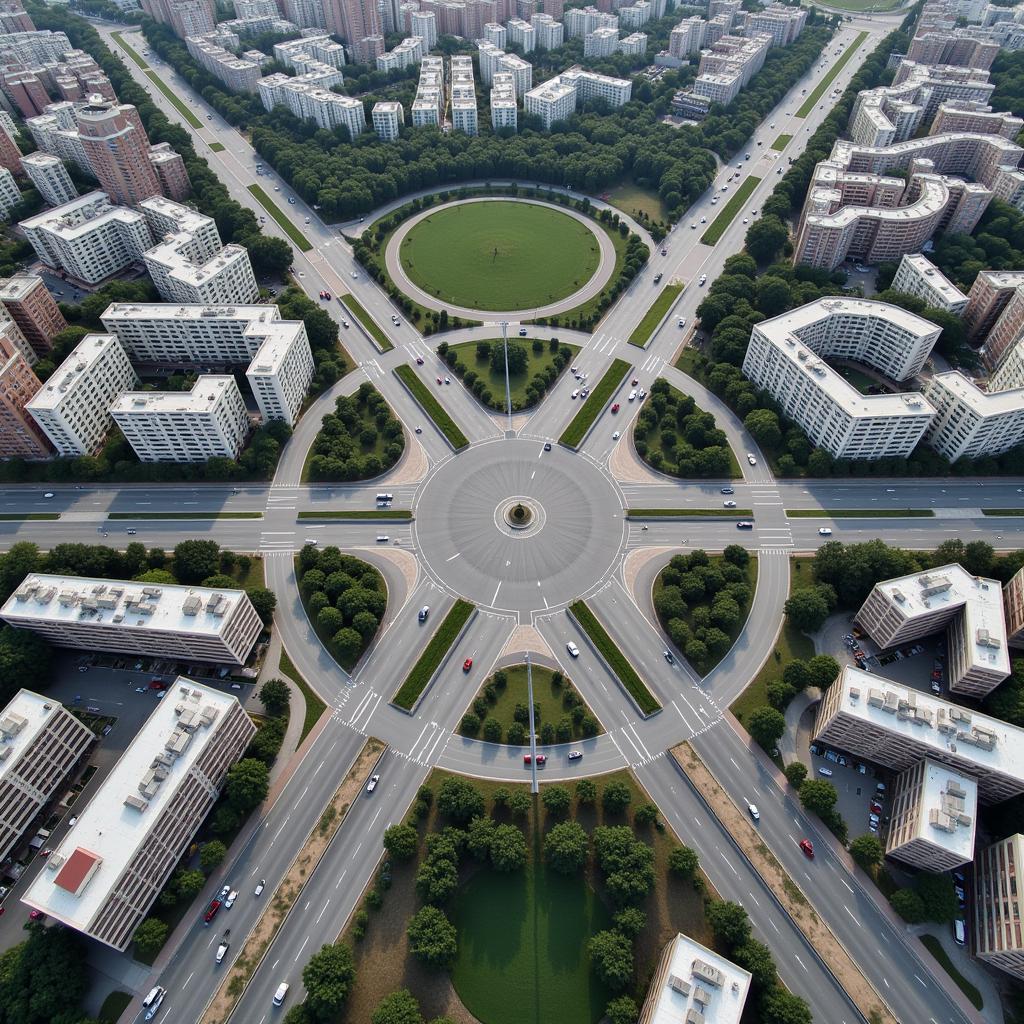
point(113, 1006)
point(301, 241)
point(630, 198)
point(432, 407)
point(1002, 511)
point(380, 339)
point(25, 517)
point(819, 89)
point(687, 513)
point(859, 513)
point(591, 408)
point(782, 142)
point(184, 515)
point(728, 213)
point(315, 707)
point(932, 944)
point(217, 147)
point(661, 305)
point(429, 661)
point(628, 676)
point(360, 513)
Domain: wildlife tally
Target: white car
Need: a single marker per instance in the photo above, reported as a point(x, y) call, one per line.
point(825, 531)
point(230, 901)
point(260, 886)
point(575, 393)
point(703, 220)
point(372, 784)
point(746, 221)
point(754, 812)
point(693, 227)
point(632, 395)
point(222, 951)
point(682, 321)
point(48, 494)
point(616, 436)
point(751, 459)
point(728, 504)
point(573, 650)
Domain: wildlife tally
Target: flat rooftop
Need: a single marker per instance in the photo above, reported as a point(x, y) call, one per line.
point(700, 979)
point(983, 403)
point(81, 216)
point(73, 371)
point(948, 809)
point(21, 722)
point(203, 397)
point(110, 829)
point(16, 287)
point(934, 277)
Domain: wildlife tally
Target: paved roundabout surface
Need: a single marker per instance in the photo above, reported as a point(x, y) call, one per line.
point(574, 535)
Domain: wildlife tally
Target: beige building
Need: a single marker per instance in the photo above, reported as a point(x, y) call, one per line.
point(998, 933)
point(110, 867)
point(20, 436)
point(1013, 604)
point(32, 308)
point(41, 746)
point(988, 298)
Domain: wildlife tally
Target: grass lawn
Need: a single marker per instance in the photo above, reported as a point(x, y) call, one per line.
point(217, 147)
point(789, 645)
point(659, 307)
point(728, 212)
point(632, 199)
point(591, 408)
point(359, 513)
point(860, 513)
point(432, 407)
point(1002, 511)
point(268, 204)
point(686, 513)
point(841, 62)
point(494, 380)
point(545, 693)
point(426, 665)
point(500, 255)
point(382, 341)
point(857, 379)
point(315, 707)
point(184, 515)
point(113, 1006)
point(687, 361)
point(932, 944)
point(23, 517)
point(782, 142)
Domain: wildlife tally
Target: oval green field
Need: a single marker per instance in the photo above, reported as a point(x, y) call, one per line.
point(499, 255)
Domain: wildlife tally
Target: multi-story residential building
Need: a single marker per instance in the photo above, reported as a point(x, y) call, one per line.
point(695, 985)
point(237, 73)
point(31, 306)
point(504, 110)
point(10, 154)
point(117, 149)
point(313, 102)
point(551, 101)
point(589, 85)
point(71, 407)
point(785, 358)
point(521, 70)
point(428, 106)
point(918, 276)
point(317, 47)
point(13, 18)
point(20, 436)
point(998, 910)
point(388, 118)
point(1008, 374)
point(42, 745)
point(889, 724)
point(192, 17)
point(407, 53)
point(634, 44)
point(550, 34)
point(579, 21)
point(521, 33)
point(462, 95)
point(952, 48)
point(489, 56)
point(1013, 605)
point(50, 178)
point(89, 238)
point(495, 34)
point(12, 340)
point(171, 173)
point(784, 24)
point(10, 194)
point(1006, 329)
point(635, 15)
point(971, 423)
point(424, 25)
point(988, 297)
point(602, 42)
point(109, 868)
point(968, 607)
point(358, 22)
point(976, 118)
point(207, 422)
point(932, 817)
point(687, 38)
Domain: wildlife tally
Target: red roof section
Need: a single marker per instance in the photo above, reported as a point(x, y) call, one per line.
point(76, 869)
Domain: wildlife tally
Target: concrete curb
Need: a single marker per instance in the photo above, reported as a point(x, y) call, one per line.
point(358, 321)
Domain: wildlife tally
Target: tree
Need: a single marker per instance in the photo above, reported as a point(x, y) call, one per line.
point(508, 848)
point(328, 977)
point(479, 836)
point(432, 937)
point(909, 905)
point(275, 696)
point(683, 861)
point(212, 855)
point(348, 642)
point(194, 560)
point(189, 883)
point(937, 897)
point(401, 841)
point(25, 660)
point(818, 796)
point(824, 669)
point(150, 936)
point(519, 803)
point(586, 791)
point(264, 601)
point(807, 609)
point(460, 800)
point(247, 784)
point(756, 957)
point(44, 978)
point(766, 237)
point(630, 921)
point(615, 797)
point(398, 1008)
point(867, 851)
point(645, 814)
point(764, 428)
point(729, 922)
point(766, 725)
point(566, 847)
point(269, 254)
point(622, 1010)
point(611, 956)
point(796, 772)
point(556, 799)
point(780, 1006)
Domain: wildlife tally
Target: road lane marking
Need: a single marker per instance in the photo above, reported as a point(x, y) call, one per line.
point(848, 886)
point(731, 868)
point(341, 878)
point(495, 598)
point(375, 817)
point(318, 767)
point(850, 912)
point(322, 912)
point(301, 948)
point(452, 559)
point(923, 984)
point(187, 980)
point(804, 966)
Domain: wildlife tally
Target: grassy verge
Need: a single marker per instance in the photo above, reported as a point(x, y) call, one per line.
point(113, 1006)
point(859, 513)
point(819, 89)
point(432, 407)
point(217, 147)
point(592, 407)
point(729, 211)
point(268, 204)
point(381, 340)
point(628, 675)
point(782, 142)
point(661, 305)
point(1002, 511)
point(632, 199)
point(23, 517)
point(176, 101)
point(426, 665)
point(359, 513)
point(315, 707)
point(686, 513)
point(130, 50)
point(184, 515)
point(932, 944)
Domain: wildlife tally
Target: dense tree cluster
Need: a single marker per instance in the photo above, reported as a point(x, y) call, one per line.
point(361, 439)
point(819, 671)
point(626, 862)
point(44, 978)
point(929, 898)
point(328, 978)
point(322, 331)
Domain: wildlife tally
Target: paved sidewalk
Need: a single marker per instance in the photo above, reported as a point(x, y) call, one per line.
point(297, 705)
point(795, 742)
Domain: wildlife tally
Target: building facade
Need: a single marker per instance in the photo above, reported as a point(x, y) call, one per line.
point(971, 423)
point(31, 306)
point(20, 436)
point(50, 178)
point(998, 914)
point(918, 276)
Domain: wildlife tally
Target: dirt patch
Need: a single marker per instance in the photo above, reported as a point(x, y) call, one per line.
point(287, 893)
point(789, 894)
point(626, 467)
point(636, 560)
point(404, 561)
point(525, 638)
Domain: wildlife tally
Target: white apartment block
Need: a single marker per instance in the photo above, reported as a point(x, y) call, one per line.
point(786, 358)
point(521, 33)
point(589, 85)
point(687, 38)
point(428, 106)
point(602, 42)
point(971, 423)
point(504, 110)
point(71, 407)
point(388, 118)
point(634, 44)
point(551, 101)
point(1013, 604)
point(579, 21)
point(10, 194)
point(50, 178)
point(320, 47)
point(717, 88)
point(406, 54)
point(489, 56)
point(275, 352)
point(976, 118)
point(550, 34)
point(205, 423)
point(999, 906)
point(1009, 373)
point(495, 34)
point(888, 724)
point(41, 746)
point(237, 73)
point(313, 102)
point(784, 24)
point(521, 70)
point(949, 598)
point(109, 868)
point(932, 818)
point(635, 15)
point(918, 276)
point(424, 25)
point(88, 238)
point(463, 95)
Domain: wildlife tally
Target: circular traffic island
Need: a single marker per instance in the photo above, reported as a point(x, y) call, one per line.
point(499, 255)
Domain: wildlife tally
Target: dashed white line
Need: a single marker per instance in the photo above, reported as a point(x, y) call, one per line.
point(187, 980)
point(923, 984)
point(803, 965)
point(301, 948)
point(322, 912)
point(336, 884)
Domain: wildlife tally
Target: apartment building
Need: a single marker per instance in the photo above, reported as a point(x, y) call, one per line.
point(687, 38)
point(10, 154)
point(428, 105)
point(579, 21)
point(695, 984)
point(786, 358)
point(495, 34)
point(12, 340)
point(20, 436)
point(50, 178)
point(932, 817)
point(10, 194)
point(117, 149)
point(71, 407)
point(998, 934)
point(1006, 330)
point(1008, 374)
point(522, 34)
point(424, 25)
point(358, 22)
point(881, 721)
point(952, 48)
point(110, 867)
point(407, 53)
point(969, 608)
point(976, 118)
point(313, 102)
point(462, 95)
point(988, 298)
point(971, 423)
point(1013, 605)
point(13, 18)
point(590, 85)
point(918, 276)
point(318, 47)
point(388, 118)
point(551, 101)
point(31, 307)
point(170, 171)
point(504, 110)
point(237, 73)
point(42, 745)
point(602, 42)
point(784, 24)
point(305, 13)
point(633, 45)
point(549, 33)
point(521, 70)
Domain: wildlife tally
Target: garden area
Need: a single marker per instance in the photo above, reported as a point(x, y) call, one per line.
point(500, 711)
point(361, 439)
point(534, 366)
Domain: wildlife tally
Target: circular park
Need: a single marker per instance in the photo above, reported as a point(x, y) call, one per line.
point(499, 254)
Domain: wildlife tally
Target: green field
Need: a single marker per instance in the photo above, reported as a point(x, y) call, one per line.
point(659, 307)
point(782, 142)
point(381, 340)
point(687, 513)
point(268, 204)
point(359, 513)
point(427, 663)
point(500, 255)
point(184, 515)
point(728, 213)
point(819, 89)
point(592, 407)
point(857, 379)
point(859, 513)
point(217, 147)
point(632, 199)
point(113, 1006)
point(522, 947)
point(432, 407)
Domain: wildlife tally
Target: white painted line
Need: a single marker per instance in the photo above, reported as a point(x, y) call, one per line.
point(187, 980)
point(804, 966)
point(495, 598)
point(847, 884)
point(375, 817)
point(301, 948)
point(452, 559)
point(731, 868)
point(923, 985)
point(336, 884)
point(322, 912)
point(850, 912)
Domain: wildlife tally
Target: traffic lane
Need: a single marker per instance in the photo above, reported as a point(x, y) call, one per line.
point(916, 533)
point(989, 492)
point(500, 761)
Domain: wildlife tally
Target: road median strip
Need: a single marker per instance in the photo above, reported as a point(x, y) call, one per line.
point(819, 89)
point(790, 896)
point(655, 314)
point(372, 328)
point(217, 147)
point(27, 517)
point(429, 661)
point(782, 142)
point(592, 406)
point(360, 513)
point(425, 399)
point(687, 513)
point(184, 515)
point(728, 213)
point(1002, 511)
point(258, 942)
point(860, 513)
point(275, 211)
point(609, 650)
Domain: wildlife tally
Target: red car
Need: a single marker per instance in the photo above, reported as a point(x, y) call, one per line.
point(636, 380)
point(808, 847)
point(467, 664)
point(541, 759)
point(45, 853)
point(615, 407)
point(211, 911)
point(36, 915)
point(439, 381)
point(876, 807)
point(322, 294)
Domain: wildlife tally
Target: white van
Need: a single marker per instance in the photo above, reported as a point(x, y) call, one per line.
point(152, 1002)
point(383, 538)
point(281, 993)
point(385, 498)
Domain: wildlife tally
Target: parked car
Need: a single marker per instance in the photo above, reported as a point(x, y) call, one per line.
point(827, 772)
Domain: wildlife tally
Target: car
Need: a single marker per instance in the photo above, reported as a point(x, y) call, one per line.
point(230, 901)
point(575, 393)
point(714, 200)
point(574, 651)
point(657, 278)
point(664, 252)
point(73, 820)
point(831, 755)
point(547, 446)
point(632, 395)
point(808, 848)
point(703, 279)
point(744, 524)
point(875, 807)
point(703, 220)
point(751, 459)
point(45, 853)
point(439, 381)
point(815, 748)
point(754, 812)
point(960, 894)
point(693, 227)
point(827, 772)
point(726, 490)
point(322, 293)
point(824, 531)
point(746, 220)
point(371, 785)
point(522, 332)
point(616, 435)
point(635, 381)
point(140, 689)
point(935, 687)
point(728, 504)
point(152, 1002)
point(354, 276)
point(541, 759)
point(575, 755)
point(861, 768)
point(48, 494)
point(843, 762)
point(260, 886)
point(277, 188)
point(682, 321)
point(344, 323)
point(467, 664)
point(960, 931)
point(668, 656)
point(447, 380)
point(209, 117)
point(211, 911)
point(419, 360)
point(328, 294)
point(222, 951)
point(874, 819)
point(291, 200)
point(281, 994)
point(615, 407)
point(779, 171)
point(224, 891)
